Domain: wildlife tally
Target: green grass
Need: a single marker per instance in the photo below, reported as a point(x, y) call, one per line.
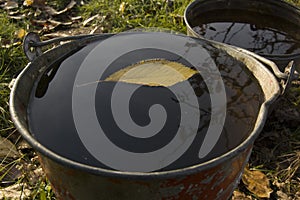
point(125, 15)
point(12, 59)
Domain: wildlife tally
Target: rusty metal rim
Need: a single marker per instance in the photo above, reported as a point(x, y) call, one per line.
point(279, 3)
point(140, 175)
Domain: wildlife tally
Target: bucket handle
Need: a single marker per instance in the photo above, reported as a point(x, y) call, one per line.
point(32, 44)
point(285, 77)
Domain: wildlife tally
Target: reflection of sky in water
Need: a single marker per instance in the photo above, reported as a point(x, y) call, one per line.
point(248, 36)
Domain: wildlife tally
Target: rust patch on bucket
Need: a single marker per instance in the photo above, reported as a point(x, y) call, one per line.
point(214, 183)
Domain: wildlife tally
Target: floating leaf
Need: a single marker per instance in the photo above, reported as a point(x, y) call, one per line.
point(257, 183)
point(153, 73)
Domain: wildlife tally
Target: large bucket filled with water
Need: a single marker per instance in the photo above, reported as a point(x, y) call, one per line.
point(143, 115)
point(268, 28)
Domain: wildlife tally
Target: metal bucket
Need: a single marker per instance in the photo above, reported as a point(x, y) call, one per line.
point(276, 10)
point(213, 179)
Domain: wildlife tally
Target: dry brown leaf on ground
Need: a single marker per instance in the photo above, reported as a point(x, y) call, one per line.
point(28, 2)
point(17, 17)
point(237, 195)
point(9, 169)
point(282, 196)
point(20, 33)
point(293, 161)
point(16, 191)
point(87, 21)
point(7, 149)
point(51, 11)
point(50, 24)
point(13, 12)
point(10, 4)
point(35, 3)
point(55, 35)
point(257, 183)
point(76, 18)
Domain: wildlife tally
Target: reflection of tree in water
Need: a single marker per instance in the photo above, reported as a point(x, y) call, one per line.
point(244, 98)
point(252, 37)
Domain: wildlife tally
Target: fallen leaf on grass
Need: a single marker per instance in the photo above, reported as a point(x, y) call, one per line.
point(281, 195)
point(17, 17)
point(34, 176)
point(257, 183)
point(50, 24)
point(55, 35)
point(20, 33)
point(9, 155)
point(76, 18)
point(10, 4)
point(237, 195)
point(122, 7)
point(13, 12)
point(85, 22)
point(16, 191)
point(28, 2)
point(23, 145)
point(7, 149)
point(35, 3)
point(51, 11)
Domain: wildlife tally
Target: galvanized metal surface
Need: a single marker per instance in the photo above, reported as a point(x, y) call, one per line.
point(277, 9)
point(217, 182)
point(214, 179)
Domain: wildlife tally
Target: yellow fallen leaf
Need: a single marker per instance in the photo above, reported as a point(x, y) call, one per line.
point(237, 195)
point(28, 2)
point(20, 33)
point(153, 73)
point(122, 7)
point(257, 183)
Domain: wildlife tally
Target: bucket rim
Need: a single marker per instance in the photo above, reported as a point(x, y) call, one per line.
point(242, 147)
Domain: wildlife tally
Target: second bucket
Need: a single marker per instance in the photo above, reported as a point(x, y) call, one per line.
point(268, 28)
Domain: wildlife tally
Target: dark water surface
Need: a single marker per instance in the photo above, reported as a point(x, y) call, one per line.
point(51, 120)
point(262, 34)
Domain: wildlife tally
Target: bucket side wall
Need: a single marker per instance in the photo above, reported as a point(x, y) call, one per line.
point(214, 183)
